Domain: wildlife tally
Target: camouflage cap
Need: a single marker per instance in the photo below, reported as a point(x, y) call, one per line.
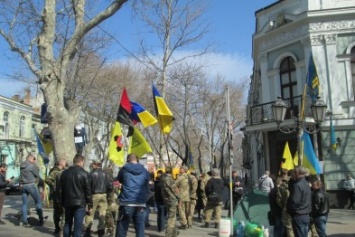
point(97, 161)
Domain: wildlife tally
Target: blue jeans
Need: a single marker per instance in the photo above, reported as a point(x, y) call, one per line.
point(31, 189)
point(76, 214)
point(300, 225)
point(279, 227)
point(147, 212)
point(320, 223)
point(125, 214)
point(161, 217)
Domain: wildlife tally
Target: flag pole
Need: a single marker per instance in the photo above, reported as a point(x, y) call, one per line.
point(230, 152)
point(299, 125)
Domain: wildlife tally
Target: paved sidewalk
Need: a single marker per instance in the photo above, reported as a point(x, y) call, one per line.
point(341, 223)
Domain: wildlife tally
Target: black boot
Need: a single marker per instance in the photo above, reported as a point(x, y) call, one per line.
point(101, 233)
point(207, 225)
point(216, 225)
point(87, 233)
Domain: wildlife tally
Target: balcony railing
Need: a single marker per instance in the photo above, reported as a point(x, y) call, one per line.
point(262, 113)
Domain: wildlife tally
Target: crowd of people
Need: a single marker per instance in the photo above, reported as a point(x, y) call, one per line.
point(77, 195)
point(298, 203)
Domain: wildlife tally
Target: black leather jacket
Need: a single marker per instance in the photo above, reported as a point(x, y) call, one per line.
point(320, 203)
point(75, 187)
point(100, 182)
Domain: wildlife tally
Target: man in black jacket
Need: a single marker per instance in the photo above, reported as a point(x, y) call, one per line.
point(299, 204)
point(214, 188)
point(320, 207)
point(101, 187)
point(75, 191)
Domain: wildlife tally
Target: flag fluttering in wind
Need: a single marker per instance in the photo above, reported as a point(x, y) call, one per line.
point(287, 158)
point(138, 145)
point(333, 140)
point(125, 111)
point(165, 117)
point(139, 114)
point(310, 160)
point(41, 150)
point(312, 80)
point(116, 145)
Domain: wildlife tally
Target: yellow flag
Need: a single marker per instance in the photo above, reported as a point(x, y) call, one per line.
point(138, 145)
point(116, 151)
point(287, 158)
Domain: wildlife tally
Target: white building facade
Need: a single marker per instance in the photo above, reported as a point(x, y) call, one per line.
point(287, 32)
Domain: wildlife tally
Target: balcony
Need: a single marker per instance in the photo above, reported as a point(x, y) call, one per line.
point(262, 113)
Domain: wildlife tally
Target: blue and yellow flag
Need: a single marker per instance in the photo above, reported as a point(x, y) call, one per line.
point(310, 160)
point(41, 150)
point(138, 145)
point(312, 80)
point(116, 145)
point(165, 117)
point(140, 114)
point(287, 160)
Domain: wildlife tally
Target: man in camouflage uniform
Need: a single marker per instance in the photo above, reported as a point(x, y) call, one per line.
point(112, 207)
point(281, 198)
point(170, 194)
point(193, 181)
point(182, 183)
point(204, 180)
point(58, 197)
point(51, 182)
point(101, 187)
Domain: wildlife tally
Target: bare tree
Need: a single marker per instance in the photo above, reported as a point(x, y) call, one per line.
point(46, 36)
point(176, 25)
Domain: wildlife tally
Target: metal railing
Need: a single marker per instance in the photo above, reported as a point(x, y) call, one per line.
point(262, 113)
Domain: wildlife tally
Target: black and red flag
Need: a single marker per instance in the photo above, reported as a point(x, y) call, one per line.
point(125, 111)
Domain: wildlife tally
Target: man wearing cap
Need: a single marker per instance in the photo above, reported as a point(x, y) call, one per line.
point(51, 182)
point(101, 187)
point(182, 183)
point(170, 194)
point(299, 203)
point(214, 189)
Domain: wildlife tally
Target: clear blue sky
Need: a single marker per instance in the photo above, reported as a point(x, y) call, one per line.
point(232, 23)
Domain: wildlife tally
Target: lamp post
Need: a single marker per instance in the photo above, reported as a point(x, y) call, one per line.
point(318, 109)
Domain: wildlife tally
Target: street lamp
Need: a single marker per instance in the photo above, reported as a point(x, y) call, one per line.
point(318, 109)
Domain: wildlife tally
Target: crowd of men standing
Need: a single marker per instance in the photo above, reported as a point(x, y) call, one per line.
point(298, 204)
point(77, 195)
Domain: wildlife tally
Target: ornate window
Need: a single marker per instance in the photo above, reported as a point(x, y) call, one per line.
point(6, 120)
point(288, 79)
point(22, 126)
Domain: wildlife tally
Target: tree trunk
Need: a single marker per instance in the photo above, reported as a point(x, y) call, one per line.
point(62, 117)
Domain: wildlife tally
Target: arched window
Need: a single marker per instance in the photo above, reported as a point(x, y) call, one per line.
point(22, 126)
point(288, 79)
point(6, 120)
point(352, 52)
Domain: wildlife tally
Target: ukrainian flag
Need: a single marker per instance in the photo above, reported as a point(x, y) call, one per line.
point(310, 160)
point(312, 80)
point(165, 117)
point(139, 114)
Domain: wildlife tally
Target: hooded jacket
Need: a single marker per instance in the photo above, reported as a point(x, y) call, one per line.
point(135, 180)
point(28, 173)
